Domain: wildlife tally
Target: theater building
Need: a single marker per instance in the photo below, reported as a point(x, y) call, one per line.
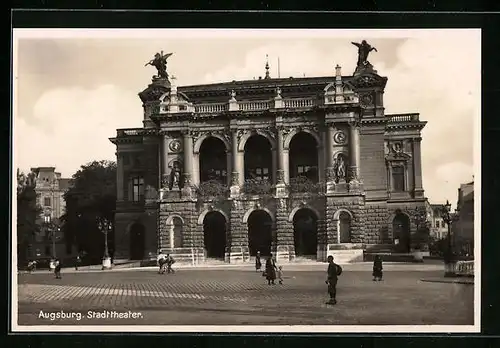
point(300, 167)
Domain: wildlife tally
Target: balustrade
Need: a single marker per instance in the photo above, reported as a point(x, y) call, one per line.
point(465, 268)
point(403, 118)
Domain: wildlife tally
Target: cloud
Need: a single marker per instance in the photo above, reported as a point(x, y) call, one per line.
point(72, 127)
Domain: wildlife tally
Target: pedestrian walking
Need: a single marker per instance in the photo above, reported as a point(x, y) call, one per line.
point(280, 275)
point(78, 261)
point(170, 261)
point(31, 266)
point(162, 262)
point(270, 270)
point(57, 269)
point(258, 262)
point(333, 273)
point(377, 268)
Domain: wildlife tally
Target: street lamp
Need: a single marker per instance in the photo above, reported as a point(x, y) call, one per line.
point(449, 218)
point(105, 227)
point(51, 231)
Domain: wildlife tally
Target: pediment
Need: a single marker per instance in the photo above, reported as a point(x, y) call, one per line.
point(397, 156)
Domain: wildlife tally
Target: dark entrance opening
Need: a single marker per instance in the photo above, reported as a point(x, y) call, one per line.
point(305, 232)
point(214, 233)
point(213, 160)
point(304, 157)
point(260, 233)
point(258, 158)
point(137, 241)
point(401, 232)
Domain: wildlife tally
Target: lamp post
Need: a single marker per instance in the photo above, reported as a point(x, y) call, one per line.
point(51, 233)
point(105, 227)
point(449, 261)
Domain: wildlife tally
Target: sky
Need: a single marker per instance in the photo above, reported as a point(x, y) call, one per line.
point(74, 88)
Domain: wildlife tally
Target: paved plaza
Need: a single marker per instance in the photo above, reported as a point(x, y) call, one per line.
point(240, 296)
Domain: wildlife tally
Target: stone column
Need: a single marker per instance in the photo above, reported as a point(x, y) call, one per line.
point(235, 180)
point(229, 167)
point(354, 153)
point(328, 150)
point(164, 161)
point(280, 168)
point(188, 158)
point(119, 177)
point(417, 167)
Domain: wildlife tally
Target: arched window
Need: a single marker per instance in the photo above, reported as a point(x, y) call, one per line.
point(344, 227)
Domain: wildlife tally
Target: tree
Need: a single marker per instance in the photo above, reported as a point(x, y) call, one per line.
point(28, 212)
point(90, 201)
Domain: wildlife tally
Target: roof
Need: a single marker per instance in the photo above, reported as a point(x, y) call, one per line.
point(258, 89)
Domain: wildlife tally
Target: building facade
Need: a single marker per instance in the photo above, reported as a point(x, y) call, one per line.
point(438, 228)
point(295, 166)
point(50, 188)
point(463, 228)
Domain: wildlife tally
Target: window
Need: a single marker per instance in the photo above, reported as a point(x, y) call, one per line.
point(307, 171)
point(398, 178)
point(219, 175)
point(261, 173)
point(46, 202)
point(137, 189)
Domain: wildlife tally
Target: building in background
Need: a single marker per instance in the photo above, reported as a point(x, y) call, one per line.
point(301, 167)
point(463, 229)
point(438, 228)
point(50, 189)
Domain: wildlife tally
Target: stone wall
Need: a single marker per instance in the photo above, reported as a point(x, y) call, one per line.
point(353, 204)
point(376, 224)
point(373, 168)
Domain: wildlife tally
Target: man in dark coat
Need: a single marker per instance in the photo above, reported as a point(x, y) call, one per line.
point(333, 272)
point(270, 270)
point(377, 268)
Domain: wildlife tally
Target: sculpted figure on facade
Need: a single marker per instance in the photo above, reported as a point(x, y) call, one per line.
point(175, 176)
point(364, 49)
point(160, 63)
point(339, 168)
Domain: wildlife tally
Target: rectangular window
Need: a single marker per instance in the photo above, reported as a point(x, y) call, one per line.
point(262, 173)
point(137, 189)
point(309, 172)
point(46, 202)
point(398, 178)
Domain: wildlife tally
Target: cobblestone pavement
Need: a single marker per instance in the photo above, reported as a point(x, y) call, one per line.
point(238, 297)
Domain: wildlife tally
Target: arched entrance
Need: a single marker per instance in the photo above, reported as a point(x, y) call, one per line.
point(258, 158)
point(304, 156)
point(401, 232)
point(260, 233)
point(213, 160)
point(305, 232)
point(214, 234)
point(137, 241)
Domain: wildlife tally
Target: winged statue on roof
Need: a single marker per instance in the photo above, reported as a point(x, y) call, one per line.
point(160, 63)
